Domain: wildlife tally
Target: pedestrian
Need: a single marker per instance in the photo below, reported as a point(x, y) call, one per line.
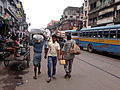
point(61, 42)
point(38, 42)
point(52, 51)
point(68, 57)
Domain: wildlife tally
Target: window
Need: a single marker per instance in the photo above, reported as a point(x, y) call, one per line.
point(106, 15)
point(65, 16)
point(78, 16)
point(85, 23)
point(85, 3)
point(68, 34)
point(77, 11)
point(95, 33)
point(113, 33)
point(91, 34)
point(106, 33)
point(118, 34)
point(93, 6)
point(74, 34)
point(1, 10)
point(118, 13)
point(71, 16)
point(80, 34)
point(84, 34)
point(87, 34)
point(100, 34)
point(85, 13)
point(98, 3)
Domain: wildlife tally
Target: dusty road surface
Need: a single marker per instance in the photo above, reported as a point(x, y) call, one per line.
point(91, 71)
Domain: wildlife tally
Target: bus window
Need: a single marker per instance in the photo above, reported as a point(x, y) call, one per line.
point(91, 34)
point(118, 34)
point(100, 34)
point(113, 33)
point(95, 34)
point(106, 33)
point(80, 34)
point(83, 34)
point(74, 34)
point(87, 34)
point(68, 34)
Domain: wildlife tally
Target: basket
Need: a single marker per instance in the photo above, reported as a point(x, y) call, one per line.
point(62, 62)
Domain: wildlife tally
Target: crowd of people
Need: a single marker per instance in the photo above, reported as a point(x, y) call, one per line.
point(55, 49)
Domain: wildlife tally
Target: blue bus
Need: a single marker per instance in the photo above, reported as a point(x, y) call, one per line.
point(105, 38)
point(74, 35)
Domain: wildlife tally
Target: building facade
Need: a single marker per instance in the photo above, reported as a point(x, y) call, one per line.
point(71, 18)
point(85, 13)
point(103, 12)
point(12, 16)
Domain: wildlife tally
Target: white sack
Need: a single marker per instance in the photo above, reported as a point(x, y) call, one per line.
point(47, 33)
point(38, 37)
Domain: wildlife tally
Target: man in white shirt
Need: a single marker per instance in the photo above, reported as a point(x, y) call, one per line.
point(53, 52)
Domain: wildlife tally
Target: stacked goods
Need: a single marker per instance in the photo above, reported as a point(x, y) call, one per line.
point(44, 32)
point(38, 37)
point(37, 31)
point(61, 34)
point(47, 33)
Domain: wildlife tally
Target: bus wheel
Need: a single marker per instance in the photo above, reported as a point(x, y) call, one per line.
point(90, 48)
point(81, 48)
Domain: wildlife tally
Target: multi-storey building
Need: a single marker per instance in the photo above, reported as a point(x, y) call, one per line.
point(1, 19)
point(1, 7)
point(12, 14)
point(72, 18)
point(103, 12)
point(85, 13)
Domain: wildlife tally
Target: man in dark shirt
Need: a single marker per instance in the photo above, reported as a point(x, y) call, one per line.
point(38, 45)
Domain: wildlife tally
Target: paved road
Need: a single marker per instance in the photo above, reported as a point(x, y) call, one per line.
point(91, 71)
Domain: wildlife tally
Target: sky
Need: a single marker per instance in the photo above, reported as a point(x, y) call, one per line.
point(40, 12)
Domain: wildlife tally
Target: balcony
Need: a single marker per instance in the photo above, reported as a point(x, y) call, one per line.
point(11, 10)
point(92, 24)
point(117, 19)
point(103, 5)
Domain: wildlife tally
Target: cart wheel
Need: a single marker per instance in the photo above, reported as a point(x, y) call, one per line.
point(6, 63)
point(28, 60)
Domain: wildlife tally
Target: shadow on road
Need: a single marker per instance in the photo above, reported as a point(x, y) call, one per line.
point(106, 54)
point(14, 75)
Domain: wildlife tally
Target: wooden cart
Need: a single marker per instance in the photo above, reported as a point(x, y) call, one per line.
point(24, 56)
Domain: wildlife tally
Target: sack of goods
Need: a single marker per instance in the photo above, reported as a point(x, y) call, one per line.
point(37, 31)
point(61, 34)
point(75, 49)
point(38, 37)
point(44, 32)
point(47, 33)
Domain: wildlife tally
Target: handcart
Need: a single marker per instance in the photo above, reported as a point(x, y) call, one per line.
point(24, 55)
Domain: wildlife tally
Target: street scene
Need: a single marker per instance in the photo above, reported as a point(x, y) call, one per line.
point(91, 71)
point(60, 45)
